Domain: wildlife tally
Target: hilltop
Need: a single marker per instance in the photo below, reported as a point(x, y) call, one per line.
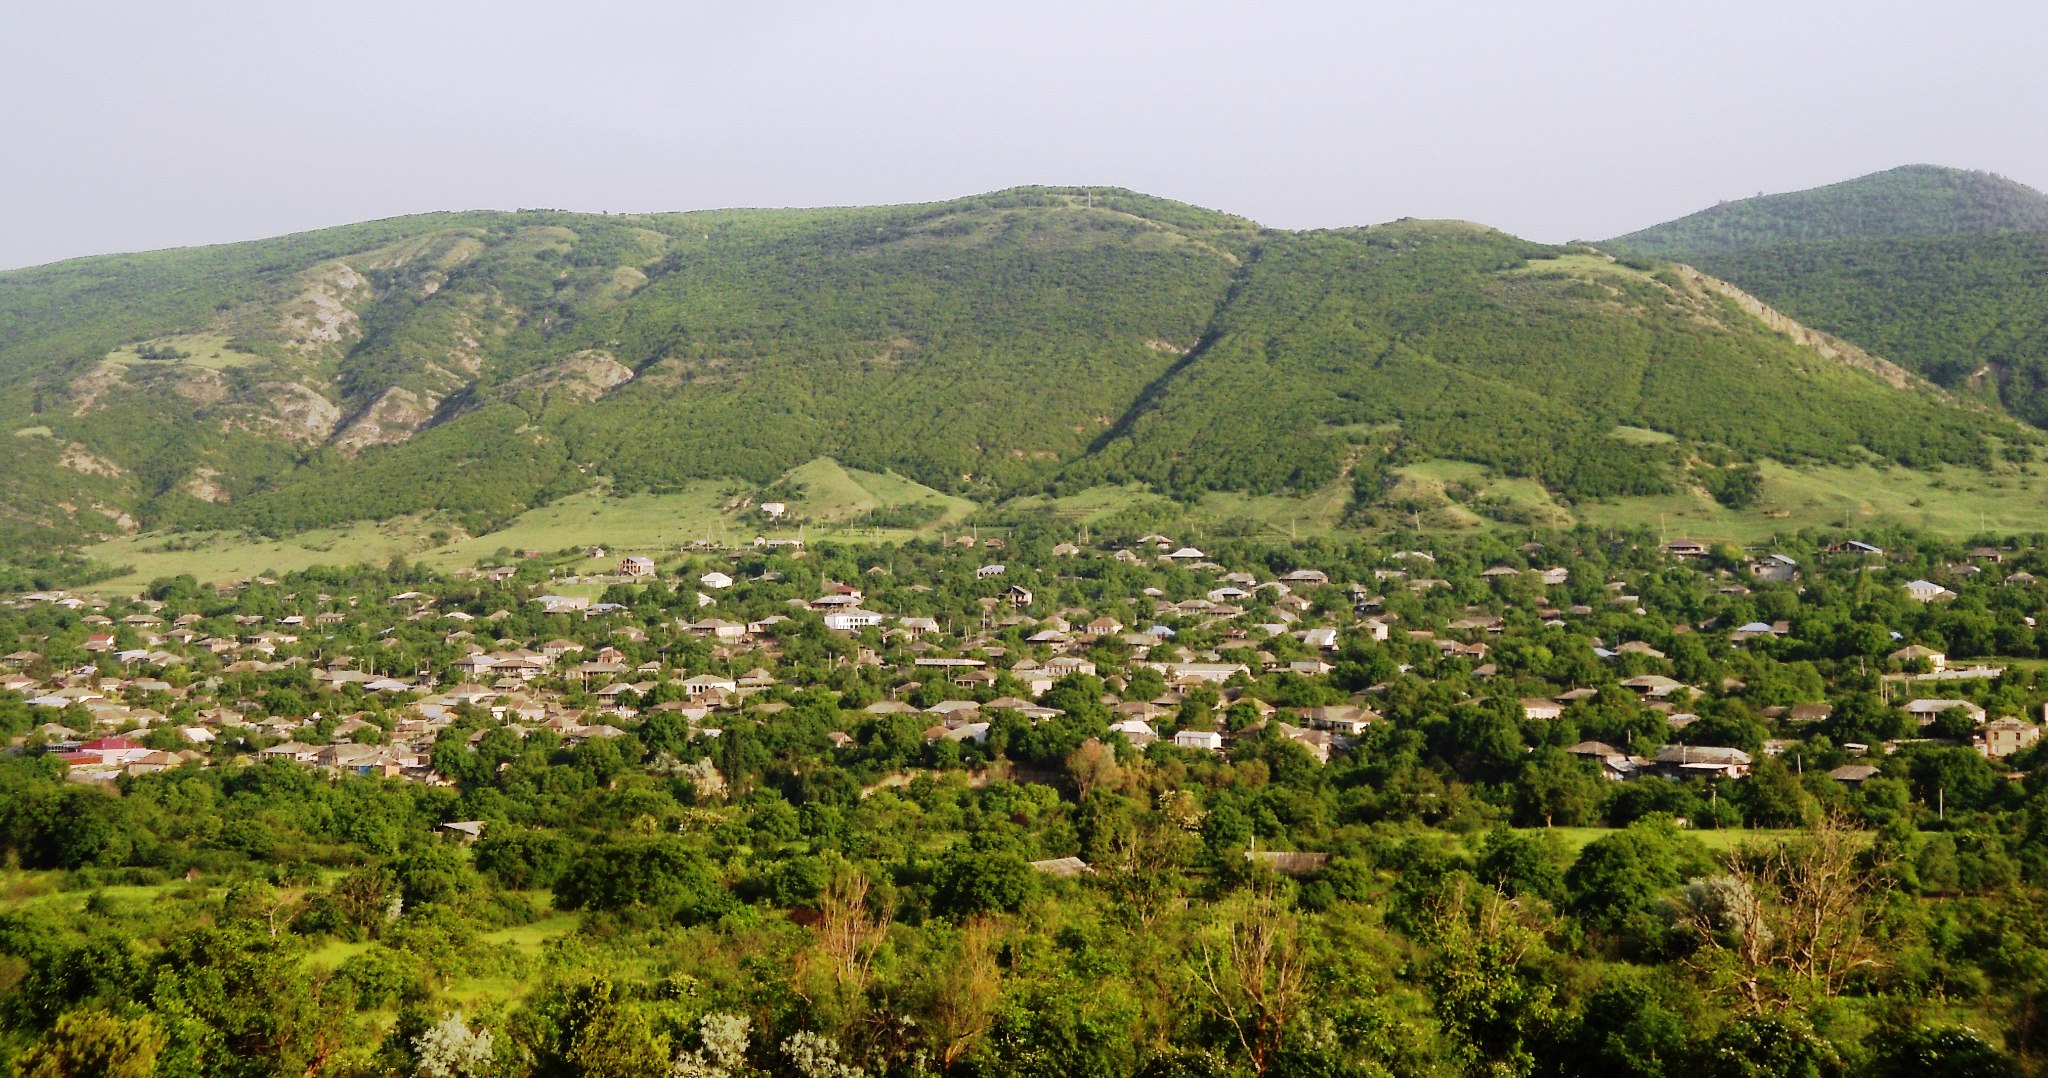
point(1915, 200)
point(1937, 269)
point(1040, 343)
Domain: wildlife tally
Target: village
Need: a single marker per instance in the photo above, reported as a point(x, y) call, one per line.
point(1186, 652)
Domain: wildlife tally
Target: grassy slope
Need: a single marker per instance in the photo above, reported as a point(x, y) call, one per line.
point(650, 524)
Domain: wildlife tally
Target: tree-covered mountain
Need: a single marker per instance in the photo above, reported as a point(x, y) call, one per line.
point(1037, 339)
point(1939, 270)
point(1915, 200)
point(1969, 312)
point(1422, 340)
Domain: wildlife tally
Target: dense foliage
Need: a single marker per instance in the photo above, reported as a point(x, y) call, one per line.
point(767, 900)
point(1969, 312)
point(1428, 341)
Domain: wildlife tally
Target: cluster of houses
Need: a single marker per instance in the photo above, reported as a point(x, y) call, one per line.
point(124, 697)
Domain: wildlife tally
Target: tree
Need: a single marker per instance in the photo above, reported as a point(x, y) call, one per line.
point(1481, 975)
point(68, 826)
point(1786, 922)
point(1518, 864)
point(1618, 882)
point(850, 929)
point(450, 1049)
point(721, 1051)
point(1091, 766)
point(661, 876)
point(1624, 1031)
point(1944, 1050)
point(983, 875)
point(960, 996)
point(95, 1044)
point(1772, 796)
point(585, 1030)
point(1254, 973)
point(1556, 789)
point(1769, 1046)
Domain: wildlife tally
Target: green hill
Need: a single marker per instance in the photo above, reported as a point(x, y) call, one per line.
point(1035, 341)
point(1969, 312)
point(1940, 270)
point(1361, 348)
point(1916, 200)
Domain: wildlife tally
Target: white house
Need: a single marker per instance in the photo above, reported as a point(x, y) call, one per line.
point(851, 620)
point(1927, 710)
point(561, 604)
point(716, 581)
point(1137, 731)
point(1206, 740)
point(1927, 591)
point(1326, 639)
point(773, 510)
point(706, 684)
point(1918, 653)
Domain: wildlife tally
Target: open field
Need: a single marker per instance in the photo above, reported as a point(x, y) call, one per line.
point(635, 524)
point(834, 492)
point(1950, 502)
point(202, 350)
point(1095, 504)
point(1271, 516)
point(1641, 436)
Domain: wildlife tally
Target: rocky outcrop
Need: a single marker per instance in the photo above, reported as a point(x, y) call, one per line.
point(201, 485)
point(82, 460)
point(321, 316)
point(392, 418)
point(293, 411)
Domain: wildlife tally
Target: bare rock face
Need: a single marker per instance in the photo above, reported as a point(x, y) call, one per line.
point(294, 411)
point(321, 316)
point(200, 484)
point(121, 519)
point(392, 418)
point(200, 385)
point(585, 375)
point(82, 460)
point(582, 377)
point(88, 388)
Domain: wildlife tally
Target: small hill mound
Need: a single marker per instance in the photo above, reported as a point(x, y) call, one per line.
point(1916, 200)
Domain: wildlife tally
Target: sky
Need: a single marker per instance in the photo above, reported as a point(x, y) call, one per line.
point(134, 126)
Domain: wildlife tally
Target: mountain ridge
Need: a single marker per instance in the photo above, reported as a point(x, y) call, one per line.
point(1029, 340)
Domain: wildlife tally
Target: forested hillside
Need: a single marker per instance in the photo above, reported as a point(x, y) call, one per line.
point(1036, 340)
point(1416, 340)
point(1969, 312)
point(1936, 269)
point(1916, 200)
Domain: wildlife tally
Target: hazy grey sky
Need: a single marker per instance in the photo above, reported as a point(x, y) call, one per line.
point(139, 125)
